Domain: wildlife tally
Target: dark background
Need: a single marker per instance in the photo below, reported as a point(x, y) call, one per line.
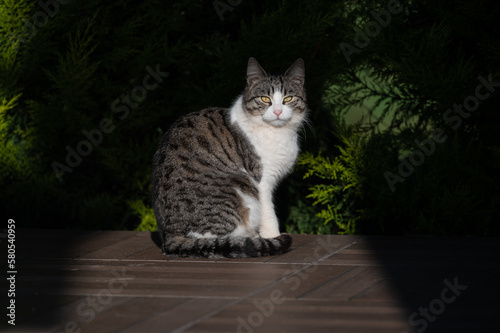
point(74, 66)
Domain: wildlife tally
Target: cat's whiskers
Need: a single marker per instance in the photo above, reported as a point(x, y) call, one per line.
point(302, 132)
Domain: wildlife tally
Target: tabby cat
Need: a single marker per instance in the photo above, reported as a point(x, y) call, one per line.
point(215, 170)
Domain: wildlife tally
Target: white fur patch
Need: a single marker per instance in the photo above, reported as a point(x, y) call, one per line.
point(193, 234)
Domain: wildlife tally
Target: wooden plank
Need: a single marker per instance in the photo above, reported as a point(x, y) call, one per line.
point(305, 316)
point(120, 249)
point(178, 317)
point(347, 286)
point(317, 249)
point(123, 313)
point(98, 241)
point(36, 312)
point(302, 279)
point(35, 242)
point(152, 252)
point(77, 315)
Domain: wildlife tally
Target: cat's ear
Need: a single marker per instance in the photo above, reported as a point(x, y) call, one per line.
point(254, 71)
point(296, 72)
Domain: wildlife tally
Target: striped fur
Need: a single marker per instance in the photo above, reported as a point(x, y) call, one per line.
point(215, 170)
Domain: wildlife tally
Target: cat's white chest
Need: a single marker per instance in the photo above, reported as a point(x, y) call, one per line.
point(278, 150)
point(277, 147)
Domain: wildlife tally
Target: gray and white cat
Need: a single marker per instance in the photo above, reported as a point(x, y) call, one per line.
point(215, 170)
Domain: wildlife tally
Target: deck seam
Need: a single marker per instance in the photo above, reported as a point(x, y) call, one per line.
point(107, 245)
point(298, 247)
point(156, 315)
point(132, 254)
point(326, 282)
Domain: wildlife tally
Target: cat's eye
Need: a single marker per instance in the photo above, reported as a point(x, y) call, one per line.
point(265, 99)
point(287, 99)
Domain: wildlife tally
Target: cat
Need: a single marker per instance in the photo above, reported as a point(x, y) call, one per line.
point(215, 170)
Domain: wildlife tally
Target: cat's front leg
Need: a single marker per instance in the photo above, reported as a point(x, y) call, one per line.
point(269, 228)
point(269, 225)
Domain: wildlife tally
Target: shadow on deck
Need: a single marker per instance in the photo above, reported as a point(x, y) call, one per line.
point(118, 281)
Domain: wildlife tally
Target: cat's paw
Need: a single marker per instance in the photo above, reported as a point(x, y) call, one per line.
point(266, 233)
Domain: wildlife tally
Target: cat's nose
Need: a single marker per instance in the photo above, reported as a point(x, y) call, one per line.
point(277, 112)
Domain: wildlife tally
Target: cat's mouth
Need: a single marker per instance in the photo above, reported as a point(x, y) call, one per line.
point(278, 122)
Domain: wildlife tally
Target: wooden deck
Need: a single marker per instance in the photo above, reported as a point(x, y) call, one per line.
point(118, 281)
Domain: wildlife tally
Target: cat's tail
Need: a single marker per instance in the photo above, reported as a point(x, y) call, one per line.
point(226, 246)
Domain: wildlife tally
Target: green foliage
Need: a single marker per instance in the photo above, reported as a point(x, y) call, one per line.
point(12, 158)
point(422, 64)
point(342, 179)
point(146, 214)
point(300, 215)
point(302, 219)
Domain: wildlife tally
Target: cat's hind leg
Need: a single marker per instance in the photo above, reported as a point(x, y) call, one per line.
point(250, 213)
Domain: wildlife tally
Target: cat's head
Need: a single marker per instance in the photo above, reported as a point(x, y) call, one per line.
point(279, 100)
